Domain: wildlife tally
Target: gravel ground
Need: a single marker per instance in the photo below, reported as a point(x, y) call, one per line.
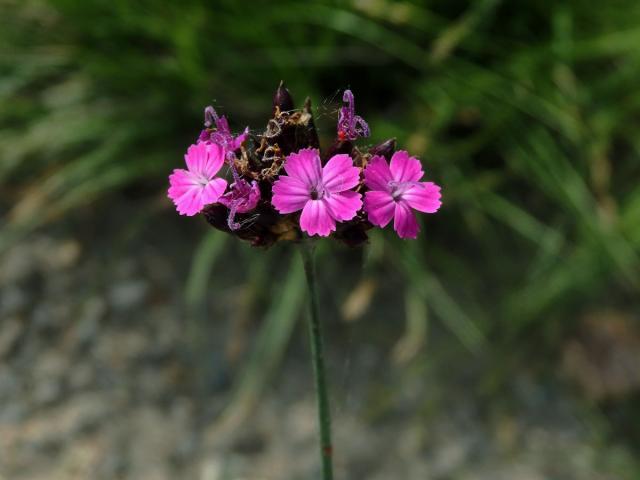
point(96, 382)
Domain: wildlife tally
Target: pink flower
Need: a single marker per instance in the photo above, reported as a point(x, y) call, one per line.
point(196, 187)
point(322, 193)
point(222, 134)
point(241, 198)
point(394, 190)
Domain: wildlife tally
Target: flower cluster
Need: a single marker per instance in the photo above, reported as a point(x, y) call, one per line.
point(284, 187)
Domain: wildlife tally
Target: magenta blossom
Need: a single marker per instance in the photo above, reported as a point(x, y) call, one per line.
point(322, 193)
point(350, 125)
point(394, 190)
point(241, 198)
point(191, 190)
point(222, 134)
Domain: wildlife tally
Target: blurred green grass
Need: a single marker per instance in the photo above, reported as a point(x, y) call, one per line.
point(527, 113)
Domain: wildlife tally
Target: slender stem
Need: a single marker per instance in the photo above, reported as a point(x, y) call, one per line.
point(317, 355)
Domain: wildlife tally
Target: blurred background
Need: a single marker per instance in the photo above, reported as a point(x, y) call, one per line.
point(503, 344)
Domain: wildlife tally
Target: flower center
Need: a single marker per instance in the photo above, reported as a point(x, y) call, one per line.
point(317, 193)
point(397, 189)
point(203, 180)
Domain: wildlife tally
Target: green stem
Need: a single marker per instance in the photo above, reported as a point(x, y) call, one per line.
point(317, 356)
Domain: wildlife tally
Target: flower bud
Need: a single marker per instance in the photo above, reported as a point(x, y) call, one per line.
point(386, 148)
point(282, 100)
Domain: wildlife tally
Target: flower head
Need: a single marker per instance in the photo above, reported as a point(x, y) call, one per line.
point(197, 186)
point(322, 193)
point(222, 134)
point(350, 125)
point(395, 189)
point(241, 198)
point(282, 189)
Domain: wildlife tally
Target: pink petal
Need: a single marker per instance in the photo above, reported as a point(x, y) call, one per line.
point(190, 203)
point(316, 219)
point(405, 168)
point(180, 181)
point(377, 174)
point(405, 223)
point(195, 157)
point(339, 174)
point(380, 207)
point(305, 165)
point(213, 190)
point(424, 197)
point(344, 206)
point(204, 159)
point(215, 159)
point(290, 194)
point(222, 124)
point(239, 140)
